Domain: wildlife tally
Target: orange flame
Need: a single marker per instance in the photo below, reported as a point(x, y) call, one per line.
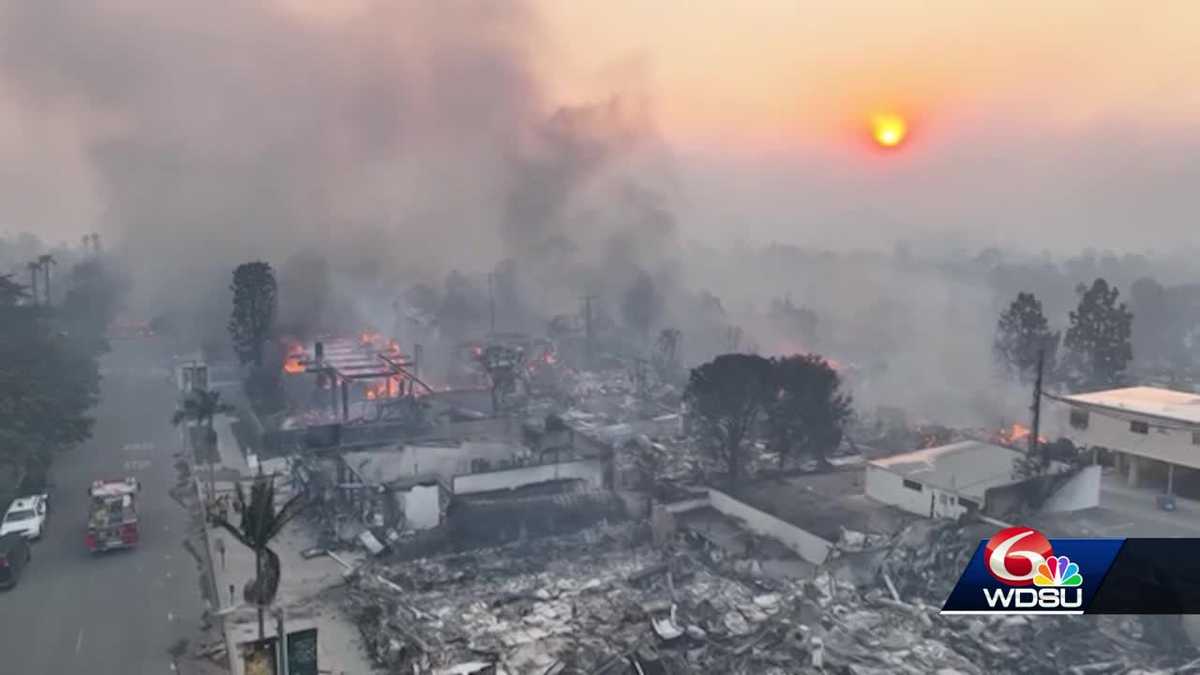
point(391, 387)
point(293, 362)
point(1017, 433)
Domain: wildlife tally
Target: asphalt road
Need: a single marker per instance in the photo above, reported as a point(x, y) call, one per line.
point(116, 613)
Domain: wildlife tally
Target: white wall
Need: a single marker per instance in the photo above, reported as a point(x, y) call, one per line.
point(1081, 491)
point(421, 506)
point(589, 470)
point(1174, 446)
point(809, 546)
point(887, 487)
point(442, 461)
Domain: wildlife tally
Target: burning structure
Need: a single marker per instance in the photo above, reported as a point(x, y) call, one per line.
point(369, 372)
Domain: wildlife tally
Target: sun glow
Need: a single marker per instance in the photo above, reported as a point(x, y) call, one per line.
point(888, 130)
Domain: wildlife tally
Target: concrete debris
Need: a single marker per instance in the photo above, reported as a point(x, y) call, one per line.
point(605, 600)
point(370, 542)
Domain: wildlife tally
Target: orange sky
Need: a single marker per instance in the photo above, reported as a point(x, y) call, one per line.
point(777, 73)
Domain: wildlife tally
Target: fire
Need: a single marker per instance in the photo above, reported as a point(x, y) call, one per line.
point(1017, 433)
point(369, 337)
point(293, 363)
point(390, 387)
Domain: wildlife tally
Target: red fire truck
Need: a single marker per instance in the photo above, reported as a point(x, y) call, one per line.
point(113, 519)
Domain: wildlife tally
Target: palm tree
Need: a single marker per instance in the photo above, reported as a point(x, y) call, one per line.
point(261, 523)
point(45, 261)
point(200, 406)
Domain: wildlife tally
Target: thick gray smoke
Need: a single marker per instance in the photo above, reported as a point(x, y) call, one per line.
point(402, 141)
point(396, 142)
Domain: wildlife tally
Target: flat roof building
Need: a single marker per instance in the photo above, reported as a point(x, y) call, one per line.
point(965, 477)
point(1148, 433)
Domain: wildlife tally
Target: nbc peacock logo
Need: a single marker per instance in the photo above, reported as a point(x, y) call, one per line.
point(1057, 571)
point(1020, 557)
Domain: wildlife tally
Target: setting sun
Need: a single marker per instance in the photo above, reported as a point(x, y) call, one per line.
point(889, 130)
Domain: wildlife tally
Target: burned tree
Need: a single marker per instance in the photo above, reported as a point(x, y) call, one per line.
point(728, 395)
point(641, 305)
point(1021, 335)
point(794, 321)
point(667, 349)
point(254, 304)
point(503, 365)
point(808, 410)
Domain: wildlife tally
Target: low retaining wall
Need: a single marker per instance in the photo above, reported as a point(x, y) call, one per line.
point(807, 545)
point(590, 471)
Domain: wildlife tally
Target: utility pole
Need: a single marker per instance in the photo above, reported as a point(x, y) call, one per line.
point(34, 268)
point(281, 640)
point(587, 328)
point(45, 261)
point(1036, 409)
point(492, 301)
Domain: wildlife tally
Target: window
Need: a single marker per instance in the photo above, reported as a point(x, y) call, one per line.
point(1139, 427)
point(967, 503)
point(1079, 418)
point(912, 485)
point(1196, 438)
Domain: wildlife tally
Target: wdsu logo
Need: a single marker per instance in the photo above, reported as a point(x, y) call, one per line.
point(1019, 557)
point(1020, 571)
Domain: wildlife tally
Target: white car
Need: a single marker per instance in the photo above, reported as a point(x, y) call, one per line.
point(26, 517)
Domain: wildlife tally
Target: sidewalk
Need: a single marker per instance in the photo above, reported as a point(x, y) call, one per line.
point(1147, 519)
point(303, 582)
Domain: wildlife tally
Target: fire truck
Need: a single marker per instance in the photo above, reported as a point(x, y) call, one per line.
point(113, 519)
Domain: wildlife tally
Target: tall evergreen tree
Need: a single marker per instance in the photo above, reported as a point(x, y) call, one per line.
point(1098, 339)
point(1021, 334)
point(254, 304)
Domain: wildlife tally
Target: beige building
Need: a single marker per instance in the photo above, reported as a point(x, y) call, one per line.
point(1149, 434)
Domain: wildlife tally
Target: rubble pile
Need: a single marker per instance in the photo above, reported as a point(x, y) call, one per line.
point(574, 604)
point(895, 627)
point(600, 601)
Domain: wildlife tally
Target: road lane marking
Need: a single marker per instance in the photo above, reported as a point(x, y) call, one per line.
point(170, 616)
point(79, 641)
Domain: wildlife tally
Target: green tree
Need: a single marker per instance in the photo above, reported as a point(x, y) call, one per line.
point(727, 396)
point(808, 411)
point(11, 292)
point(95, 296)
point(47, 383)
point(201, 407)
point(1021, 333)
point(261, 523)
point(254, 305)
point(1098, 338)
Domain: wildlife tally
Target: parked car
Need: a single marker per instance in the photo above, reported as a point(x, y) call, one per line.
point(14, 555)
point(26, 516)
